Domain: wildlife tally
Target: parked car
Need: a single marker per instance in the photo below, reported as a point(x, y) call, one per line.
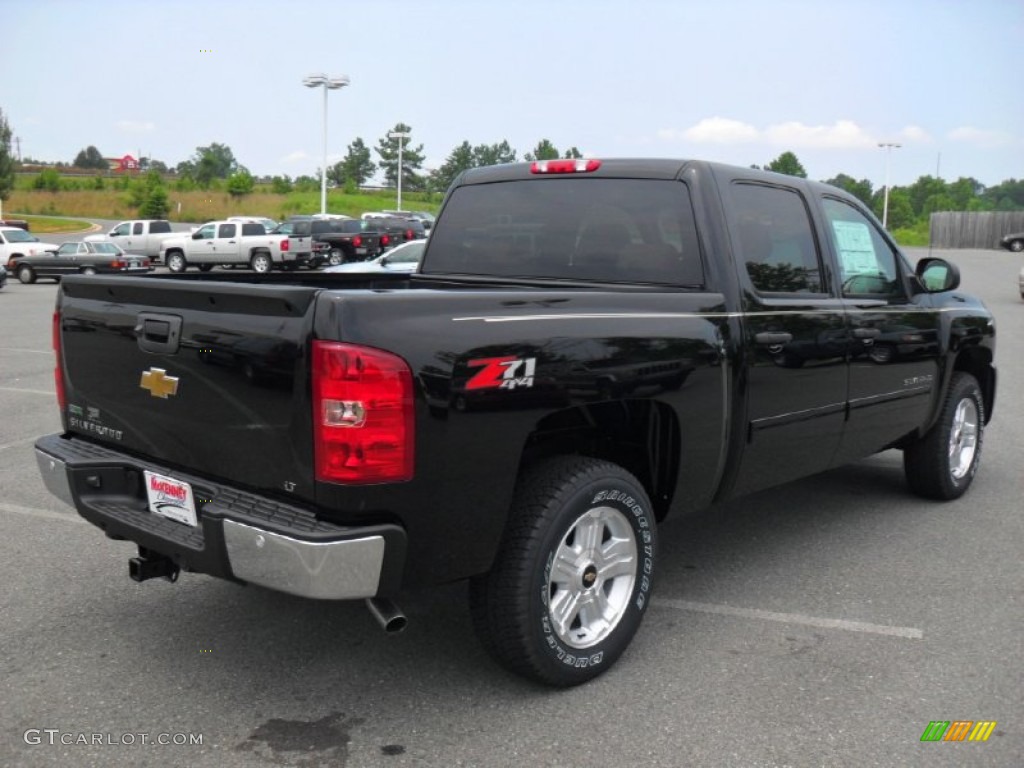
point(1013, 242)
point(337, 240)
point(405, 258)
point(243, 243)
point(79, 257)
point(19, 223)
point(16, 242)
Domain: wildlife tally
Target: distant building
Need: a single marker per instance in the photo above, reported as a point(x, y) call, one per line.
point(123, 164)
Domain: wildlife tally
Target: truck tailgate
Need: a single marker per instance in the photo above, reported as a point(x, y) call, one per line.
point(187, 372)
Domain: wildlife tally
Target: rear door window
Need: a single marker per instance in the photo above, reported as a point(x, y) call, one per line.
point(607, 230)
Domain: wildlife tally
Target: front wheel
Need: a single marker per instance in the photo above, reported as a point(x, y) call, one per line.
point(26, 274)
point(1017, 246)
point(176, 262)
point(942, 463)
point(572, 580)
point(261, 263)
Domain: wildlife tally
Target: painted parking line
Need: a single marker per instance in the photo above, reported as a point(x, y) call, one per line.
point(47, 352)
point(44, 514)
point(47, 392)
point(910, 633)
point(16, 443)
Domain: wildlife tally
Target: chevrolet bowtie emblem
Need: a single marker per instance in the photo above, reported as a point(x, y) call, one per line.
point(159, 383)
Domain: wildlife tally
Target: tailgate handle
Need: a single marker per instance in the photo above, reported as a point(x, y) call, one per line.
point(158, 333)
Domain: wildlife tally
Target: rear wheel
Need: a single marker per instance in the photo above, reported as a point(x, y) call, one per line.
point(26, 274)
point(176, 261)
point(205, 267)
point(89, 271)
point(942, 464)
point(1017, 246)
point(572, 580)
point(260, 262)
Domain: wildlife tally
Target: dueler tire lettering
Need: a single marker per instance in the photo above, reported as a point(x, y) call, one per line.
point(573, 578)
point(942, 464)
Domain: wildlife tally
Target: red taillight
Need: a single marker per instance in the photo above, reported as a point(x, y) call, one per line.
point(565, 166)
point(385, 239)
point(118, 264)
point(357, 241)
point(58, 370)
point(285, 245)
point(362, 414)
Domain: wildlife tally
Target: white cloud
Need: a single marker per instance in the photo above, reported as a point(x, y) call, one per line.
point(135, 126)
point(295, 157)
point(843, 134)
point(915, 133)
point(715, 130)
point(979, 137)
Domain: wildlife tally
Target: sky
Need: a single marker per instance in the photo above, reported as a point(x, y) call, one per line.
point(725, 80)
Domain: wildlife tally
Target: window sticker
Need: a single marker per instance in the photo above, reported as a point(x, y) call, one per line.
point(856, 252)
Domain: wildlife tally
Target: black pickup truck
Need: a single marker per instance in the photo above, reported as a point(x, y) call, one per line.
point(589, 348)
point(337, 241)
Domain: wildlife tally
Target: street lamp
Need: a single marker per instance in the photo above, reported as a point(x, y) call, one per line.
point(888, 146)
point(400, 137)
point(329, 84)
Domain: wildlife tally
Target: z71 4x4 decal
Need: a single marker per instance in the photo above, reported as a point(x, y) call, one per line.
point(502, 373)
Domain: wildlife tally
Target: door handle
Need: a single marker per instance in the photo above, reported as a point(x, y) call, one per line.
point(866, 333)
point(771, 338)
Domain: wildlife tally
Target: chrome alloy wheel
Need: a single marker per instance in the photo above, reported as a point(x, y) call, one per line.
point(591, 577)
point(963, 438)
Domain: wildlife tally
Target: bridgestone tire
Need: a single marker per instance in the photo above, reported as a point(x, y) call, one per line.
point(176, 262)
point(261, 263)
point(942, 464)
point(573, 577)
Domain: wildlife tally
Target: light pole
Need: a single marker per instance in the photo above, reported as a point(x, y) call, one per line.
point(400, 137)
point(329, 84)
point(888, 146)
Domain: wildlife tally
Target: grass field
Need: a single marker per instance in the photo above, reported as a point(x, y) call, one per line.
point(205, 206)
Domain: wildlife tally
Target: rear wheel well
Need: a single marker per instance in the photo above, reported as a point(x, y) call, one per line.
point(642, 436)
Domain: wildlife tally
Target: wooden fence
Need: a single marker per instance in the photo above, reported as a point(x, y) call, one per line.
point(958, 229)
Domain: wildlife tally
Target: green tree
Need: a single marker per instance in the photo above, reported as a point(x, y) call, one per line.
point(922, 189)
point(460, 159)
point(307, 184)
point(157, 165)
point(1007, 195)
point(356, 167)
point(544, 150)
point(494, 154)
point(216, 161)
point(572, 153)
point(862, 189)
point(412, 157)
point(281, 185)
point(48, 179)
point(901, 210)
point(156, 205)
point(788, 164)
point(90, 157)
point(6, 160)
point(241, 183)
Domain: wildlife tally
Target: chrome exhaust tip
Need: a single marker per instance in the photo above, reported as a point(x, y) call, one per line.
point(387, 614)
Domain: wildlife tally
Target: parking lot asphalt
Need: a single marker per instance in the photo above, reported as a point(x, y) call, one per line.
point(823, 623)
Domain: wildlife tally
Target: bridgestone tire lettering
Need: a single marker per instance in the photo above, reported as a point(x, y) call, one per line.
point(572, 580)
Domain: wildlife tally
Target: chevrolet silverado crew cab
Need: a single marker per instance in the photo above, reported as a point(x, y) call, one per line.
point(234, 243)
point(142, 236)
point(589, 349)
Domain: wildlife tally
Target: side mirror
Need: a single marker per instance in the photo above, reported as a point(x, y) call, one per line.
point(113, 233)
point(196, 236)
point(937, 275)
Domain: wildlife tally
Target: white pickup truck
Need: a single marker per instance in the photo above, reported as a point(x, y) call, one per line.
point(234, 243)
point(141, 236)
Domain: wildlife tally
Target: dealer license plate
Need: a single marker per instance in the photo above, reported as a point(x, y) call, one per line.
point(170, 498)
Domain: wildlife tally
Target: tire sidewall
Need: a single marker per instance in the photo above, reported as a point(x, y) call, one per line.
point(176, 262)
point(264, 260)
point(563, 663)
point(964, 388)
